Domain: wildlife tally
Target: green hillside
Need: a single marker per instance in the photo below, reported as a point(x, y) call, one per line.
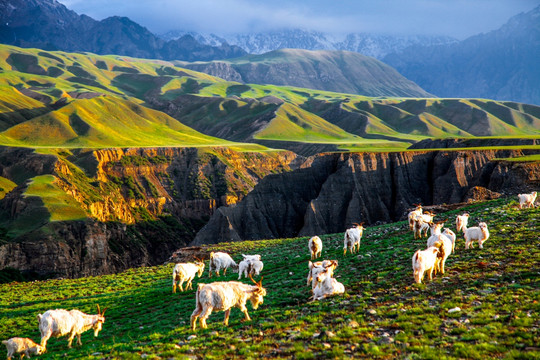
point(382, 314)
point(85, 100)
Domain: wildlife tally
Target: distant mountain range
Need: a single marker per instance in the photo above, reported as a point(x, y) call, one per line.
point(338, 71)
point(503, 64)
point(374, 45)
point(49, 25)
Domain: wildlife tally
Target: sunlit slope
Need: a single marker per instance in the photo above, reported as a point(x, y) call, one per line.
point(81, 99)
point(104, 121)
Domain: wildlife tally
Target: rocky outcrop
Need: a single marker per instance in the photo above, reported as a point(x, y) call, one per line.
point(140, 204)
point(334, 190)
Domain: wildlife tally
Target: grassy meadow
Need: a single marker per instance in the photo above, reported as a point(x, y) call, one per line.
point(382, 314)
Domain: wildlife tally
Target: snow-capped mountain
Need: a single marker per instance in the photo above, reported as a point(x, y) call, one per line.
point(373, 45)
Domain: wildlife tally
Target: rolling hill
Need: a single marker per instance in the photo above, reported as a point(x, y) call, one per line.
point(339, 71)
point(86, 100)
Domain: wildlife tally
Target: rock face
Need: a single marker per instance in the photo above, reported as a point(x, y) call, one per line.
point(141, 204)
point(332, 191)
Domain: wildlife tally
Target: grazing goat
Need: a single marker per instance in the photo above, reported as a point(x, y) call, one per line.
point(413, 214)
point(479, 233)
point(251, 265)
point(223, 296)
point(220, 260)
point(352, 238)
point(23, 346)
point(444, 244)
point(326, 285)
point(186, 272)
point(317, 267)
point(71, 323)
point(452, 236)
point(461, 222)
point(527, 200)
point(422, 261)
point(315, 247)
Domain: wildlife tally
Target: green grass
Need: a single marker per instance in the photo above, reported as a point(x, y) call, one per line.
point(6, 186)
point(60, 205)
point(496, 288)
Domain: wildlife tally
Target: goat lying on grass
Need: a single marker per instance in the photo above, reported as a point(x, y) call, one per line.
point(223, 296)
point(317, 267)
point(327, 285)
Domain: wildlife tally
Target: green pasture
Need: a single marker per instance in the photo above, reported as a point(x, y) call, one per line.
point(382, 315)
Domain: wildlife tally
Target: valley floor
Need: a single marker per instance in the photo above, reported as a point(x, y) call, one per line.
point(382, 314)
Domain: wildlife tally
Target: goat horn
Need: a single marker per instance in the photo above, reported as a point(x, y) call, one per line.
point(103, 313)
point(252, 279)
point(259, 284)
point(98, 310)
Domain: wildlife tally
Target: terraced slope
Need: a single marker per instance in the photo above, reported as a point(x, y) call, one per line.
point(493, 294)
point(85, 100)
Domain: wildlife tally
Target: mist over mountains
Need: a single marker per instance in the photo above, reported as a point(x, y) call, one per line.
point(374, 45)
point(502, 64)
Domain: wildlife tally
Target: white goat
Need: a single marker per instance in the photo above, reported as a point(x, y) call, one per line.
point(451, 235)
point(413, 214)
point(422, 261)
point(315, 247)
point(435, 228)
point(71, 323)
point(527, 200)
point(444, 244)
point(220, 260)
point(251, 265)
point(316, 267)
point(479, 233)
point(352, 237)
point(23, 346)
point(223, 296)
point(186, 272)
point(326, 285)
point(461, 222)
point(419, 227)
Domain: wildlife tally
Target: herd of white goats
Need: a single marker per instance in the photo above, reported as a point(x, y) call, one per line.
point(226, 295)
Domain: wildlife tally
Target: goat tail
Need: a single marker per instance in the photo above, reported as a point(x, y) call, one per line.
point(5, 342)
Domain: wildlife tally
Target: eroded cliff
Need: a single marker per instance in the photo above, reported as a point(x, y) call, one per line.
point(88, 212)
point(332, 191)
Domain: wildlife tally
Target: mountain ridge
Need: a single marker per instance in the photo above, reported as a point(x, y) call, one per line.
point(49, 25)
point(499, 65)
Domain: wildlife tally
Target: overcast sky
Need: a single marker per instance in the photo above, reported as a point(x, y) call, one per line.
point(456, 18)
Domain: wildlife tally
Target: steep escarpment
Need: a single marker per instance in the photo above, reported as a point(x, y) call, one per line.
point(332, 191)
point(87, 212)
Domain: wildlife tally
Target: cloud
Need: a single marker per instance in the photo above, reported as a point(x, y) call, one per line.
point(458, 18)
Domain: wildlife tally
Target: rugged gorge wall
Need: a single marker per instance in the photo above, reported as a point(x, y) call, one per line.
point(137, 205)
point(332, 191)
